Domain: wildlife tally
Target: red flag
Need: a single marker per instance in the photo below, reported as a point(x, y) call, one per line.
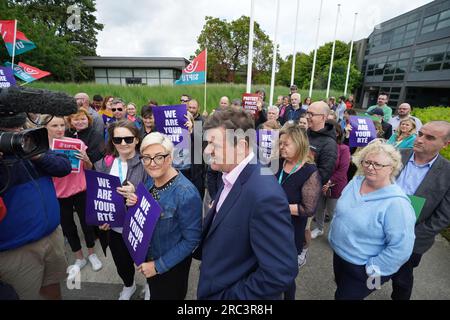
point(33, 71)
point(23, 44)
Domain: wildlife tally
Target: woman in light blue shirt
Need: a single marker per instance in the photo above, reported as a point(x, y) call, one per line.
point(372, 232)
point(405, 135)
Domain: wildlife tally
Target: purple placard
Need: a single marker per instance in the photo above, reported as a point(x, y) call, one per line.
point(139, 224)
point(103, 203)
point(266, 141)
point(363, 131)
point(6, 78)
point(171, 120)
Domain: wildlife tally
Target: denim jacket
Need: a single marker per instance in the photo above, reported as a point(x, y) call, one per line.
point(178, 230)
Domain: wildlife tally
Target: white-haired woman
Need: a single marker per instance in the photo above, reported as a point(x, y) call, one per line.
point(178, 230)
point(372, 232)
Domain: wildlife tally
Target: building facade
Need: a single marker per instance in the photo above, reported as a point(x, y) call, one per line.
point(408, 57)
point(136, 71)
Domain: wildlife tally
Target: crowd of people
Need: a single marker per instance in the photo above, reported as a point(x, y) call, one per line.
point(254, 239)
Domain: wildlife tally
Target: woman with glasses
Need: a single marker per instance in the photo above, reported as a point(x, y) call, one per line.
point(178, 230)
point(372, 232)
point(122, 160)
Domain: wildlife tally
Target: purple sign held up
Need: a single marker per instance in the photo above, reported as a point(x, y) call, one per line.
point(6, 78)
point(139, 224)
point(103, 203)
point(266, 142)
point(363, 131)
point(171, 120)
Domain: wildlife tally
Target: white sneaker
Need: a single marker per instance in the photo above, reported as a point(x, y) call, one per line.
point(80, 263)
point(127, 292)
point(301, 258)
point(74, 269)
point(95, 262)
point(316, 232)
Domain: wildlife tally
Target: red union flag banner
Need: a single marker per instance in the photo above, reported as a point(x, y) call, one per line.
point(195, 72)
point(7, 29)
point(34, 72)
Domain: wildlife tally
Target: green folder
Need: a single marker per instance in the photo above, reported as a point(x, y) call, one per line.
point(417, 203)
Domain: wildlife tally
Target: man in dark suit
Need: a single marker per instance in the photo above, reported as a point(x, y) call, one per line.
point(425, 174)
point(247, 249)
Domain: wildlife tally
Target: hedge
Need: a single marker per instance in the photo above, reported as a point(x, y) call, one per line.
point(434, 113)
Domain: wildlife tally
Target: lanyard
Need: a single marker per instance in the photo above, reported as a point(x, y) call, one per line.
point(120, 171)
point(280, 178)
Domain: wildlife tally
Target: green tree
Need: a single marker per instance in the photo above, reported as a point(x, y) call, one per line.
point(58, 47)
point(303, 67)
point(227, 44)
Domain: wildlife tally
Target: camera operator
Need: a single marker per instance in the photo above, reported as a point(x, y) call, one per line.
point(32, 256)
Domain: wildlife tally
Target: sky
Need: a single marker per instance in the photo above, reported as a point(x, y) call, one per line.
point(170, 28)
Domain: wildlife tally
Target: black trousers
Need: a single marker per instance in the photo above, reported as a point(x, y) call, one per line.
point(69, 228)
point(173, 284)
point(351, 280)
point(403, 279)
point(122, 259)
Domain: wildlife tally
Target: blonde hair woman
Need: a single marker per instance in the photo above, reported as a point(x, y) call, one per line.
point(405, 135)
point(372, 232)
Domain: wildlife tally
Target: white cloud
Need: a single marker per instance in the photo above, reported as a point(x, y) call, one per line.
point(170, 27)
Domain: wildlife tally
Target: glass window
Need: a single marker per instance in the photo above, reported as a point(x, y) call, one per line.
point(370, 73)
point(412, 26)
point(429, 28)
point(114, 73)
point(389, 68)
point(444, 15)
point(435, 57)
point(446, 65)
point(396, 89)
point(393, 96)
point(420, 52)
point(153, 82)
point(101, 80)
point(140, 73)
point(437, 49)
point(430, 19)
point(114, 80)
point(100, 72)
point(401, 66)
point(153, 73)
point(399, 77)
point(408, 42)
point(443, 24)
point(378, 71)
point(166, 74)
point(410, 34)
point(166, 81)
point(420, 60)
point(404, 55)
point(393, 57)
point(126, 73)
point(432, 67)
point(400, 30)
point(388, 78)
point(417, 68)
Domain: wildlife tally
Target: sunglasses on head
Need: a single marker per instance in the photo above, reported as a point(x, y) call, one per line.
point(116, 109)
point(118, 140)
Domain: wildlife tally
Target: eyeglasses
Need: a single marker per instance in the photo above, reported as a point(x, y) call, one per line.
point(184, 100)
point(116, 109)
point(375, 165)
point(118, 140)
point(158, 159)
point(311, 114)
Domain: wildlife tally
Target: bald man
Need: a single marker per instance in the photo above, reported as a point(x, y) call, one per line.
point(403, 112)
point(425, 174)
point(322, 142)
point(83, 101)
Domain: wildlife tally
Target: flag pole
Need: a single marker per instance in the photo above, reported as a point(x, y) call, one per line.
point(295, 43)
point(250, 48)
point(332, 52)
point(14, 45)
point(350, 56)
point(206, 76)
point(274, 60)
point(315, 51)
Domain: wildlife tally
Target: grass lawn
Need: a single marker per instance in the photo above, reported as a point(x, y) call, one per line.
point(167, 95)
